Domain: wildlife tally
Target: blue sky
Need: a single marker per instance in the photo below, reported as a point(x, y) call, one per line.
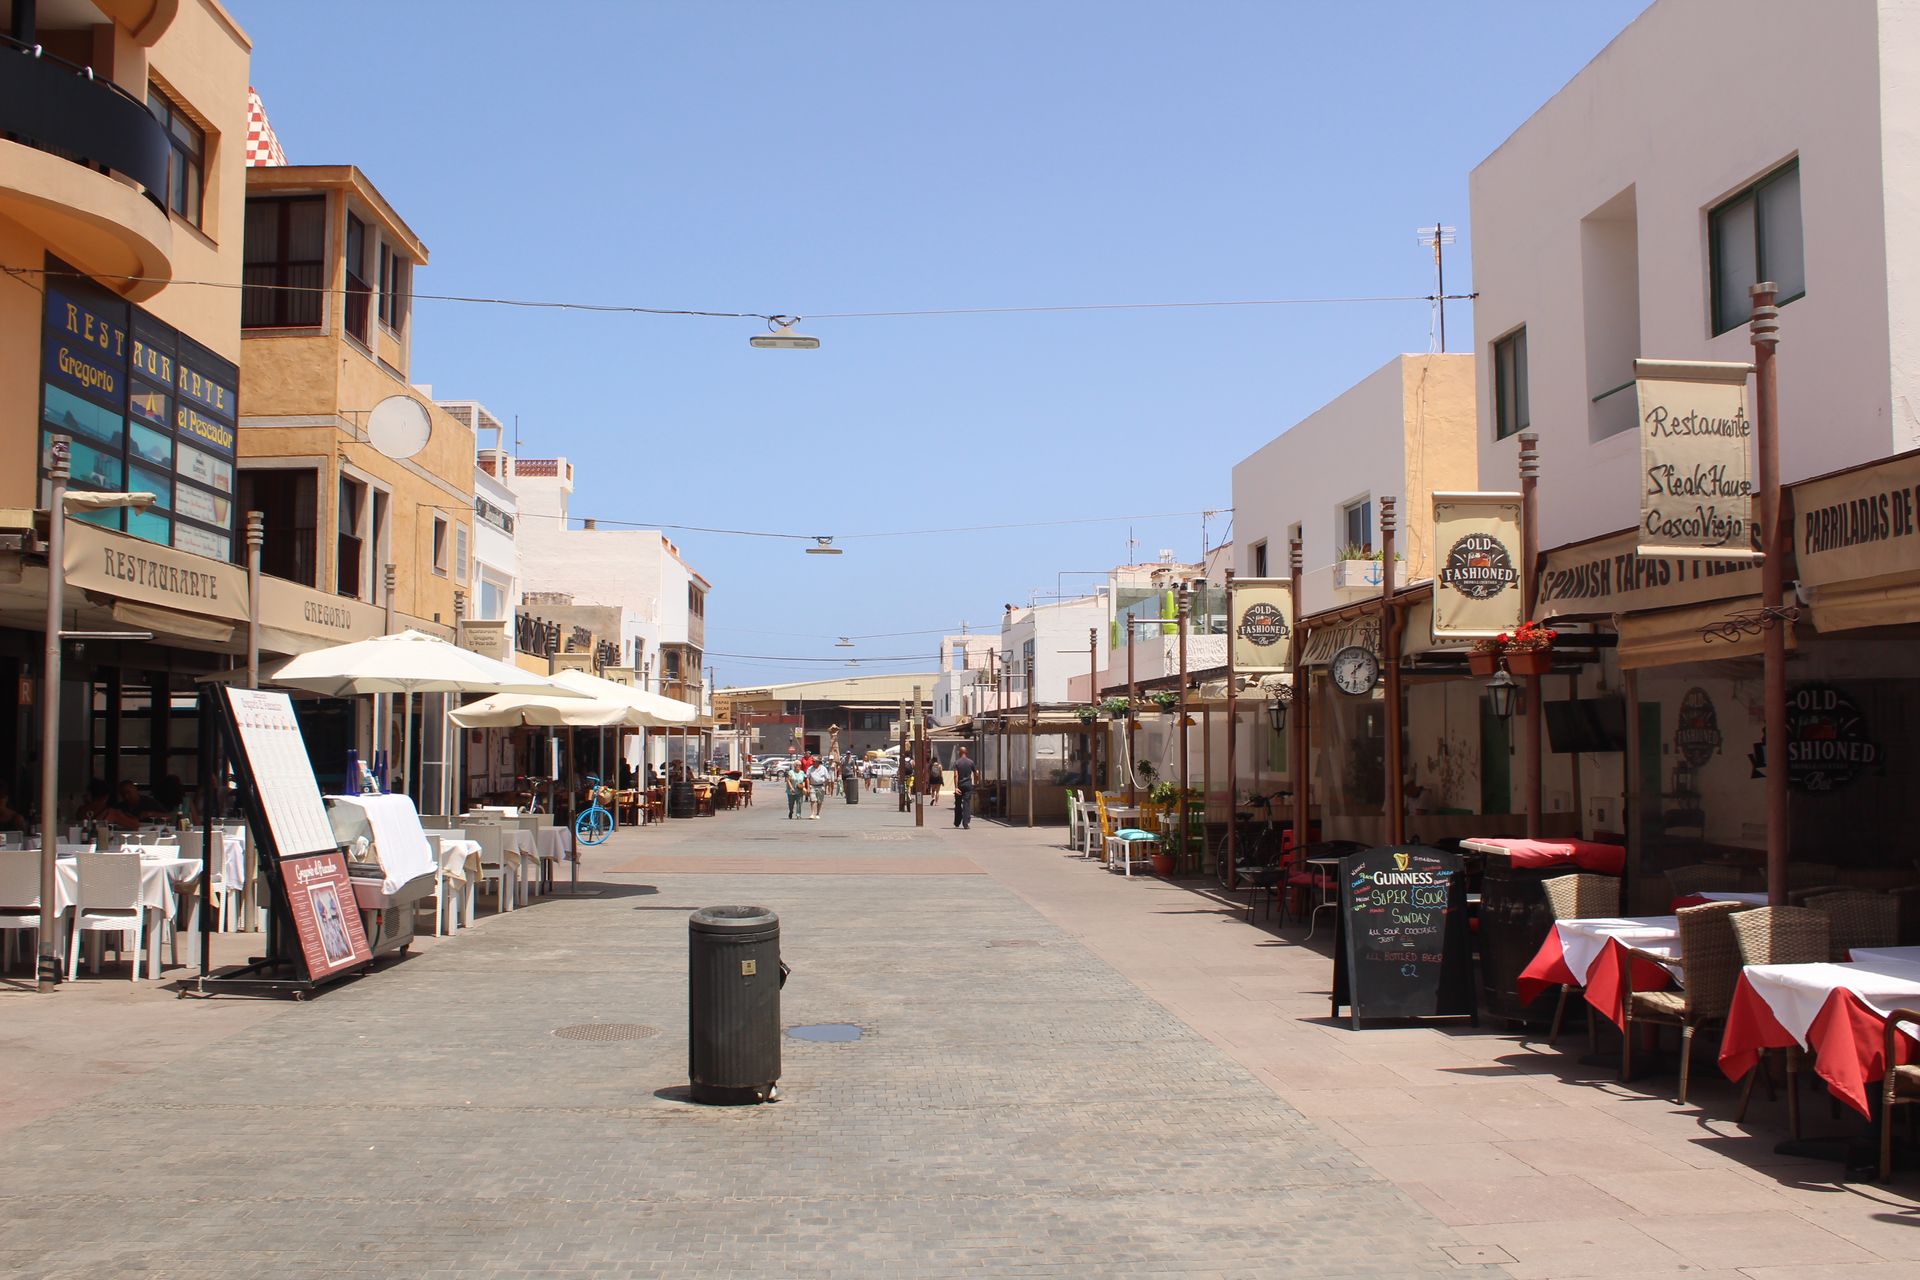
point(822, 157)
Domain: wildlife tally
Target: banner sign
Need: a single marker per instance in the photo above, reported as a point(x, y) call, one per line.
point(1858, 524)
point(1262, 624)
point(488, 638)
point(1477, 585)
point(1608, 575)
point(325, 915)
point(1696, 459)
point(129, 568)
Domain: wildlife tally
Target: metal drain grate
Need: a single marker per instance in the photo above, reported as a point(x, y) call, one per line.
point(606, 1032)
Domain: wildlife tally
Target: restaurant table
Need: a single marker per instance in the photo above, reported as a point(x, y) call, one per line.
point(1884, 956)
point(555, 844)
point(1837, 1011)
point(459, 862)
point(1751, 898)
point(1593, 954)
point(159, 877)
point(1326, 883)
point(1514, 918)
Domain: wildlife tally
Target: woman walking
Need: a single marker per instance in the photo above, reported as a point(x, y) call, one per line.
point(796, 789)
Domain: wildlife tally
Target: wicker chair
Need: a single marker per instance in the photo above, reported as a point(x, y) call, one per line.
point(1711, 966)
point(1858, 920)
point(1798, 897)
point(1705, 877)
point(1901, 1086)
point(1802, 874)
point(1581, 896)
point(1779, 935)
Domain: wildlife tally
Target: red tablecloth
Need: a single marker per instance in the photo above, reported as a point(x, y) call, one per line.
point(1588, 855)
point(1606, 980)
point(1847, 1038)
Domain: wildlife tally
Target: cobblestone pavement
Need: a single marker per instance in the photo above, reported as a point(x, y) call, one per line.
point(1013, 1107)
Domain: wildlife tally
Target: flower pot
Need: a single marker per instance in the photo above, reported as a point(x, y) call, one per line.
point(1162, 863)
point(1530, 662)
point(1483, 664)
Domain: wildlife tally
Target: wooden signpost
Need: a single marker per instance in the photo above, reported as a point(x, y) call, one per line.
point(1402, 949)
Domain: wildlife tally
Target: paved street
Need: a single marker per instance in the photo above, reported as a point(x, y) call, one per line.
point(1013, 1106)
point(1059, 1072)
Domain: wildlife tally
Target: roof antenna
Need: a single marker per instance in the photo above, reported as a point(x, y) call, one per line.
point(1437, 237)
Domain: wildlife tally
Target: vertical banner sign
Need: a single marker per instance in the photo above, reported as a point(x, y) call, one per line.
point(1477, 584)
point(1262, 624)
point(1696, 459)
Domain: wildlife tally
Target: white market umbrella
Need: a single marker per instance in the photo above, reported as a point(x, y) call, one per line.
point(408, 663)
point(656, 712)
point(519, 710)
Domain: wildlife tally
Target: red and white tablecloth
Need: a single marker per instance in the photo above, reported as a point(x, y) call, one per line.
point(1720, 895)
point(1593, 954)
point(1587, 855)
point(1837, 1011)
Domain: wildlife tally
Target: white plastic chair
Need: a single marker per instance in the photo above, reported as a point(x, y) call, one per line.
point(446, 910)
point(108, 902)
point(19, 896)
point(495, 865)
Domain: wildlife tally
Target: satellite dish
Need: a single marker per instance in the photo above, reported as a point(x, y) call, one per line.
point(399, 426)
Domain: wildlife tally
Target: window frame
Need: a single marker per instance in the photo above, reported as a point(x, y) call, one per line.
point(1514, 340)
point(1751, 192)
point(1257, 559)
point(182, 153)
point(286, 299)
point(395, 288)
point(1346, 510)
point(356, 318)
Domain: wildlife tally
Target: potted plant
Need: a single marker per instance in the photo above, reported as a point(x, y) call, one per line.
point(1165, 699)
point(1116, 708)
point(1086, 715)
point(1483, 658)
point(1529, 649)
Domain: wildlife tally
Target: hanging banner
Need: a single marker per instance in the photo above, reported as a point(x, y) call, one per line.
point(1607, 575)
point(1696, 459)
point(1860, 523)
point(1477, 584)
point(1262, 625)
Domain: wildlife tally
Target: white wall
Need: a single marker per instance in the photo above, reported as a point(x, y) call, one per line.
point(1666, 121)
point(1352, 447)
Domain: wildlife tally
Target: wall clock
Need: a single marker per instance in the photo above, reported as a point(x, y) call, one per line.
point(1354, 669)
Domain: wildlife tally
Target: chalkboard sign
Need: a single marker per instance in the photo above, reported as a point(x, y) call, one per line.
point(1402, 949)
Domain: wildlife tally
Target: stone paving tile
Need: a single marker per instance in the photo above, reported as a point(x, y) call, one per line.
point(1011, 1109)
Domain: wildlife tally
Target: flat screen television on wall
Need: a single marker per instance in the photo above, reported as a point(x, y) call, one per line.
point(1582, 725)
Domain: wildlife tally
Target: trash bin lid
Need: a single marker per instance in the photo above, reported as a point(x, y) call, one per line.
point(732, 919)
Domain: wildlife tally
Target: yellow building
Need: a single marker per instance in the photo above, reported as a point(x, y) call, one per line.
point(327, 320)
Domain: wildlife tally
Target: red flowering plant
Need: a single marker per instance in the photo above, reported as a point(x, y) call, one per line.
point(1528, 637)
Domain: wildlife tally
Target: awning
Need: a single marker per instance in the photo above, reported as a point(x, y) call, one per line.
point(1324, 642)
point(171, 622)
point(1694, 633)
point(1876, 602)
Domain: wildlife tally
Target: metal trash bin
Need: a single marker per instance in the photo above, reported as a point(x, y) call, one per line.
point(733, 1004)
point(681, 801)
point(850, 785)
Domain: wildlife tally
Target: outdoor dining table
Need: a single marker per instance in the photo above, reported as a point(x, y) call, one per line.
point(159, 878)
point(555, 844)
point(1750, 898)
point(1837, 1011)
point(1593, 954)
point(459, 862)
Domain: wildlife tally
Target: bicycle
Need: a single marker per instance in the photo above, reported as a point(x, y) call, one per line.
point(595, 822)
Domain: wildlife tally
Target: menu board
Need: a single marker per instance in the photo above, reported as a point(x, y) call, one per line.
point(1403, 949)
point(288, 794)
point(326, 918)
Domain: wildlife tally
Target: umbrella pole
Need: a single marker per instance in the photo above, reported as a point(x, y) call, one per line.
point(406, 754)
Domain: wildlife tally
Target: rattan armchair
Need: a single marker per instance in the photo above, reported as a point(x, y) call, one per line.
point(1711, 966)
point(1901, 1086)
point(1858, 919)
point(1779, 935)
point(1581, 896)
point(1705, 877)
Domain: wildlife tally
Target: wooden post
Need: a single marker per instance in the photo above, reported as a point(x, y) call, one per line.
point(1529, 557)
point(1093, 699)
point(1390, 665)
point(1126, 724)
point(919, 762)
point(1233, 726)
point(1180, 720)
point(1033, 712)
point(1299, 769)
point(1765, 332)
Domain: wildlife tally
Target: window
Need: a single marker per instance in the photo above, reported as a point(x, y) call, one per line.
point(1755, 236)
point(187, 158)
point(396, 283)
point(1356, 529)
point(285, 270)
point(1260, 559)
point(493, 599)
point(287, 499)
point(358, 291)
point(351, 548)
point(1510, 412)
point(696, 601)
point(460, 552)
point(440, 545)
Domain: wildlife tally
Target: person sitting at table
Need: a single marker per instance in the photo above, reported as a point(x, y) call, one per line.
point(99, 807)
point(131, 801)
point(11, 819)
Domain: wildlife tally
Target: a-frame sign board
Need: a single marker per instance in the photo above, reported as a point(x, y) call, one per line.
point(313, 924)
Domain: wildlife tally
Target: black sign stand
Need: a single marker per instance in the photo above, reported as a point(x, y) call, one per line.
point(1401, 948)
point(283, 969)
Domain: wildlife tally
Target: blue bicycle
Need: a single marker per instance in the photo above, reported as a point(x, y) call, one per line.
point(595, 822)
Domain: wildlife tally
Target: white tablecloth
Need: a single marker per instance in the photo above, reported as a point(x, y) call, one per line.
point(1795, 992)
point(1581, 941)
point(554, 842)
point(1723, 895)
point(460, 859)
point(1887, 958)
point(158, 876)
point(398, 840)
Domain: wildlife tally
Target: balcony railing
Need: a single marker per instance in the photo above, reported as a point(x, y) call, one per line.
point(52, 105)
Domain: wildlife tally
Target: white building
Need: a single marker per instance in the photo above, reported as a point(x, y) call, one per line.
point(493, 587)
point(1051, 641)
point(1712, 142)
point(964, 664)
point(663, 601)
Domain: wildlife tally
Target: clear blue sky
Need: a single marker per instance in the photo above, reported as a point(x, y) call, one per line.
point(744, 155)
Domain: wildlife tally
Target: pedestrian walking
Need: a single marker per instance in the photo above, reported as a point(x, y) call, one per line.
point(935, 779)
point(819, 778)
point(796, 789)
point(963, 771)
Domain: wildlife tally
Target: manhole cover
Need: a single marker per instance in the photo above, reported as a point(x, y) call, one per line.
point(606, 1032)
point(1014, 942)
point(831, 1032)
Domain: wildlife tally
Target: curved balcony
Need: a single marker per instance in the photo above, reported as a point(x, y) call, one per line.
point(84, 165)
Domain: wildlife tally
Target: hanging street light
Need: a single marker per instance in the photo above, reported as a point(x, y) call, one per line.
point(1502, 689)
point(823, 547)
point(782, 336)
point(1277, 715)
